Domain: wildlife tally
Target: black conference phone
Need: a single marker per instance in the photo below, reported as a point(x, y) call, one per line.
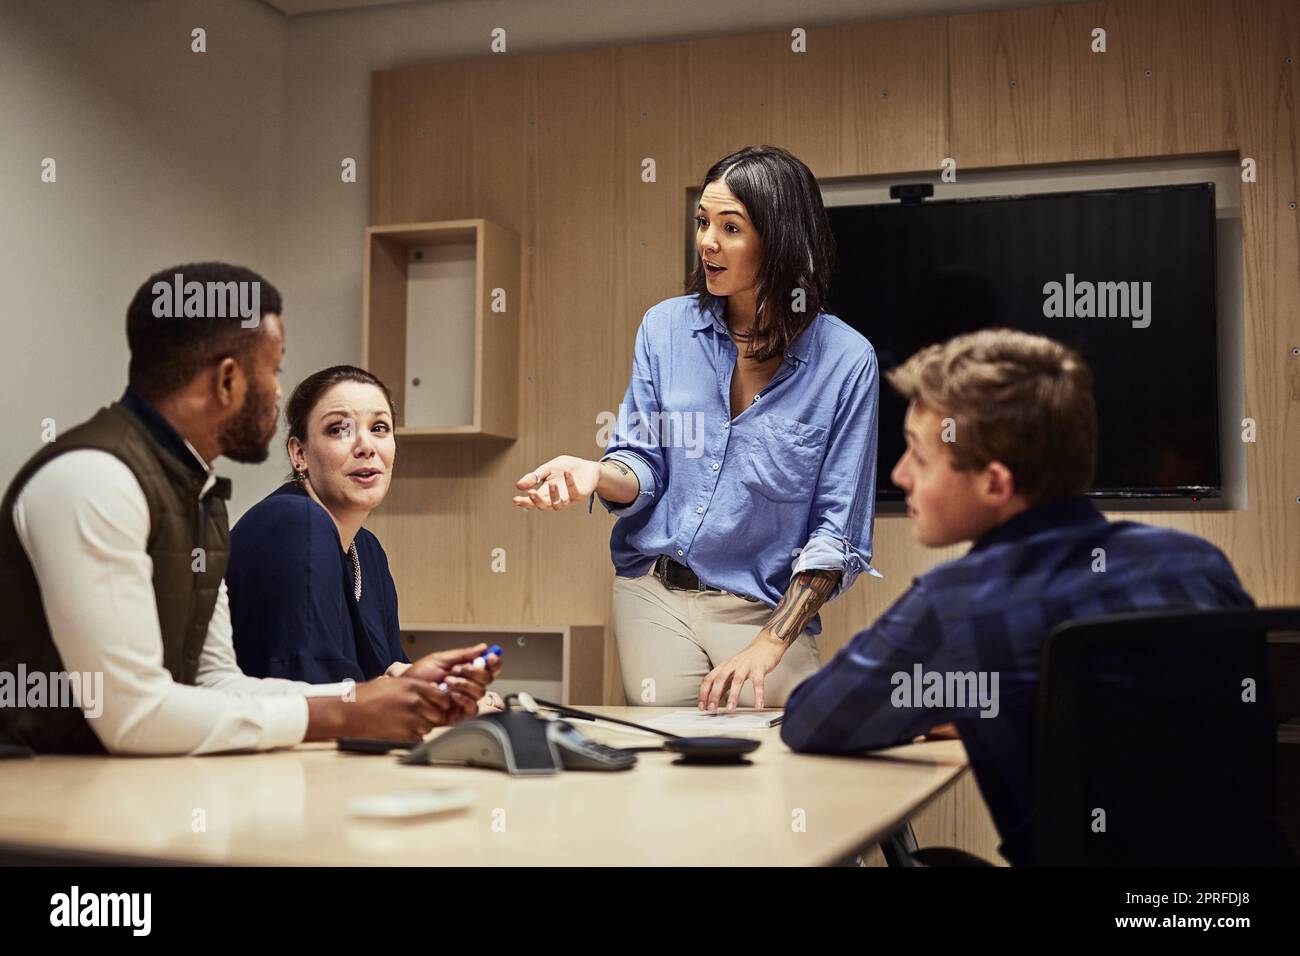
point(519, 743)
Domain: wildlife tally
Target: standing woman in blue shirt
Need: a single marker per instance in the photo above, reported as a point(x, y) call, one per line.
point(742, 467)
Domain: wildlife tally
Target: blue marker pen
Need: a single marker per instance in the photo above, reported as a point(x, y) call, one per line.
point(482, 661)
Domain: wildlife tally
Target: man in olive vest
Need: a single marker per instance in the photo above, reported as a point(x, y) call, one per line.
point(114, 541)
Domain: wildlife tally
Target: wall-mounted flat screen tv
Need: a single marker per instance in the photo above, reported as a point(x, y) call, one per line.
point(1124, 276)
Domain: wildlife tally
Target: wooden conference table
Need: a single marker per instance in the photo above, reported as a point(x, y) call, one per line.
point(291, 807)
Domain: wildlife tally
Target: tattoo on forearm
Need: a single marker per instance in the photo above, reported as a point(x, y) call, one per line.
point(622, 468)
point(807, 592)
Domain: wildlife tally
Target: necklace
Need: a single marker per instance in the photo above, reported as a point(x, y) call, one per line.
point(356, 570)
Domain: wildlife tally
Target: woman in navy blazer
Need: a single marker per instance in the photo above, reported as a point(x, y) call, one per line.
point(311, 595)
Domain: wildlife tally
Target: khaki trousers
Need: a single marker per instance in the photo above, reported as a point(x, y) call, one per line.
point(669, 640)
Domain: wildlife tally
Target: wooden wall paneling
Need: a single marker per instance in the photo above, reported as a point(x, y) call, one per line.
point(1128, 105)
point(1289, 270)
point(496, 152)
point(1219, 83)
point(419, 147)
point(865, 99)
point(1195, 66)
point(492, 595)
point(498, 356)
point(906, 128)
point(580, 249)
point(583, 665)
point(650, 87)
point(1013, 87)
point(1160, 88)
point(523, 533)
point(809, 99)
point(727, 99)
point(448, 142)
point(1132, 77)
point(1265, 544)
point(1164, 77)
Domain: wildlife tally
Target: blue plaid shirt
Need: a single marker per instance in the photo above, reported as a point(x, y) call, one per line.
point(787, 486)
point(990, 612)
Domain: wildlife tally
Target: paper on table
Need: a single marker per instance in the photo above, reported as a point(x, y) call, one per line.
point(718, 722)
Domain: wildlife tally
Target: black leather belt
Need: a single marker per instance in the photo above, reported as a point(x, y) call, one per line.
point(678, 577)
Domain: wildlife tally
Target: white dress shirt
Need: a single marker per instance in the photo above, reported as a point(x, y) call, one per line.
point(84, 522)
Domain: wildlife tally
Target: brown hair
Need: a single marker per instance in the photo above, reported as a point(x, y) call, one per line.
point(1021, 399)
point(312, 388)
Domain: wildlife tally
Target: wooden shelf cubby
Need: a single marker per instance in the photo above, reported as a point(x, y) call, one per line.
point(564, 663)
point(429, 328)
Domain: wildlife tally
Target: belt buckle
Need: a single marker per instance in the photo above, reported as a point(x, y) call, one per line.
point(660, 571)
point(672, 580)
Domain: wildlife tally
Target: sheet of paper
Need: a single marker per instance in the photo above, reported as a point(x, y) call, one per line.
point(681, 721)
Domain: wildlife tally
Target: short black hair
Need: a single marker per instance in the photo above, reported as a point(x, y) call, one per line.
point(785, 206)
point(170, 345)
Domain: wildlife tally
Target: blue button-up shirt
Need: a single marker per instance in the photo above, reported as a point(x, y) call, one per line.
point(788, 485)
point(989, 613)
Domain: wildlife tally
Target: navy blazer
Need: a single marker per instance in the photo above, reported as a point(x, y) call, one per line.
point(292, 599)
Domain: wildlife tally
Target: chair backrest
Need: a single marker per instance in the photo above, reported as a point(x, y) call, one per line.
point(1157, 740)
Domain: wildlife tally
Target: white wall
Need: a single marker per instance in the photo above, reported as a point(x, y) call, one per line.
point(163, 156)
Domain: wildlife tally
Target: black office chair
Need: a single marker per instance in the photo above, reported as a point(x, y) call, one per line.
point(1147, 751)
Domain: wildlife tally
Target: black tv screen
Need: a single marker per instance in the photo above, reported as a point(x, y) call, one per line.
point(912, 274)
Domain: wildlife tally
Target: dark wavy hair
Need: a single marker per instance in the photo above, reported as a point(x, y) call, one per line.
point(785, 206)
point(309, 391)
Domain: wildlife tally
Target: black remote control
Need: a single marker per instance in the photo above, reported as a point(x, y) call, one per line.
point(371, 745)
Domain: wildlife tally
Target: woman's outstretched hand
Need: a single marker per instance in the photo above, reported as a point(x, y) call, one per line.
point(558, 483)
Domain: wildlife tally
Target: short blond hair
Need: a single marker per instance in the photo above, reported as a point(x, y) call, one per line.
point(1024, 400)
